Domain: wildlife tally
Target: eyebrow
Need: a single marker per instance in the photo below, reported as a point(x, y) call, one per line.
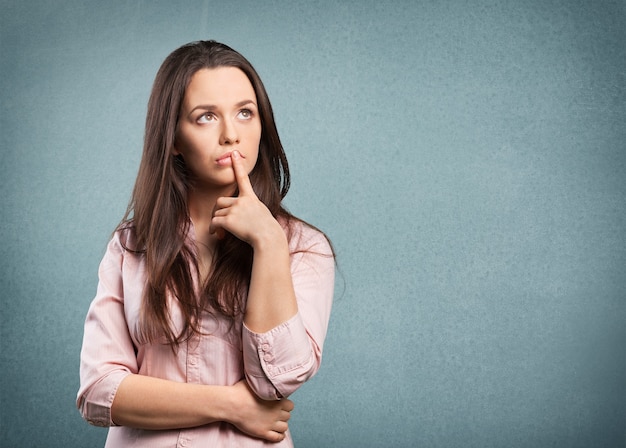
point(210, 107)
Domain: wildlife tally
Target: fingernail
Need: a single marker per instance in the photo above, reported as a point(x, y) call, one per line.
point(236, 154)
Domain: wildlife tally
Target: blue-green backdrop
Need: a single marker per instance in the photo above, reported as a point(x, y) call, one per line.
point(467, 158)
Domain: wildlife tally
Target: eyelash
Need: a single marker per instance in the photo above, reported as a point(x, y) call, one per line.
point(208, 116)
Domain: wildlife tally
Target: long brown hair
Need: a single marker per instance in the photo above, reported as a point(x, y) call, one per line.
point(157, 217)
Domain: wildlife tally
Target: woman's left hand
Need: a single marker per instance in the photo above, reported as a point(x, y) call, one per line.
point(245, 216)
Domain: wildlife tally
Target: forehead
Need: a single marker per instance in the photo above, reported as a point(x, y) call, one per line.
point(218, 87)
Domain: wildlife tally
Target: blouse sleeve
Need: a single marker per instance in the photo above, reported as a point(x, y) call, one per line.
point(108, 354)
point(279, 361)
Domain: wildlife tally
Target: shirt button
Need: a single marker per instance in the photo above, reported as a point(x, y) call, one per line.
point(267, 357)
point(265, 347)
point(192, 361)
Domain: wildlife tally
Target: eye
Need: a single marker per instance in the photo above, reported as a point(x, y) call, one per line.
point(245, 114)
point(206, 118)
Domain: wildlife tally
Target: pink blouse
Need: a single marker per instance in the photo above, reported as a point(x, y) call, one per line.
point(274, 364)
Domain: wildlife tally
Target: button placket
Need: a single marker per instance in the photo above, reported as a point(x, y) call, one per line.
point(265, 352)
point(183, 441)
point(193, 374)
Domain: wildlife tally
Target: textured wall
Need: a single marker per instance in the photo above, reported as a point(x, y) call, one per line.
point(466, 158)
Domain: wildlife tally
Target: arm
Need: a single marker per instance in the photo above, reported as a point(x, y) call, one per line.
point(277, 362)
point(112, 392)
point(290, 293)
point(271, 297)
point(153, 403)
point(176, 405)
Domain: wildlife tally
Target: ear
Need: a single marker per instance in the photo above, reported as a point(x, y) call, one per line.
point(174, 150)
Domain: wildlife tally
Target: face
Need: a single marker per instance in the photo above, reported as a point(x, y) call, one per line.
point(219, 114)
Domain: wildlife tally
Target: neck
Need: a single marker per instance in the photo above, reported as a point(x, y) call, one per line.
point(201, 203)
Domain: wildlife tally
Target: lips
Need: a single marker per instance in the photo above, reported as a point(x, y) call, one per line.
point(225, 159)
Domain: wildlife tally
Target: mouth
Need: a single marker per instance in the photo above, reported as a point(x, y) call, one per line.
point(225, 159)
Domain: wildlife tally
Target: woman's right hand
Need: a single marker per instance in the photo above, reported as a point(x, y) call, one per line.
point(259, 418)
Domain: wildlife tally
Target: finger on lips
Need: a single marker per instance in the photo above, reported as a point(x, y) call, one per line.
point(245, 188)
point(243, 181)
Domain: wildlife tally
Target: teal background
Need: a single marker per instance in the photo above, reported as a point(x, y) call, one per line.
point(466, 158)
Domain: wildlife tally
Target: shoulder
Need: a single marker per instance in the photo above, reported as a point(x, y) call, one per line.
point(304, 237)
point(121, 254)
point(124, 239)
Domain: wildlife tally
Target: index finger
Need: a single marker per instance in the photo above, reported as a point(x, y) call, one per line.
point(241, 175)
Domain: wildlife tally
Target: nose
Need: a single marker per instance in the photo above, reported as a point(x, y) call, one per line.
point(229, 135)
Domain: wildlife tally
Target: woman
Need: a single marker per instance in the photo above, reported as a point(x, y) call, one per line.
point(213, 300)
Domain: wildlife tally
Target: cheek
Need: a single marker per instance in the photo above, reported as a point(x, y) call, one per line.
point(188, 147)
point(253, 152)
point(254, 159)
point(188, 141)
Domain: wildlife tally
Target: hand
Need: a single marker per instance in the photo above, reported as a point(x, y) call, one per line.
point(244, 216)
point(260, 418)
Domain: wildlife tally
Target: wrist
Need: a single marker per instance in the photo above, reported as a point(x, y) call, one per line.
point(231, 402)
point(271, 238)
point(222, 404)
